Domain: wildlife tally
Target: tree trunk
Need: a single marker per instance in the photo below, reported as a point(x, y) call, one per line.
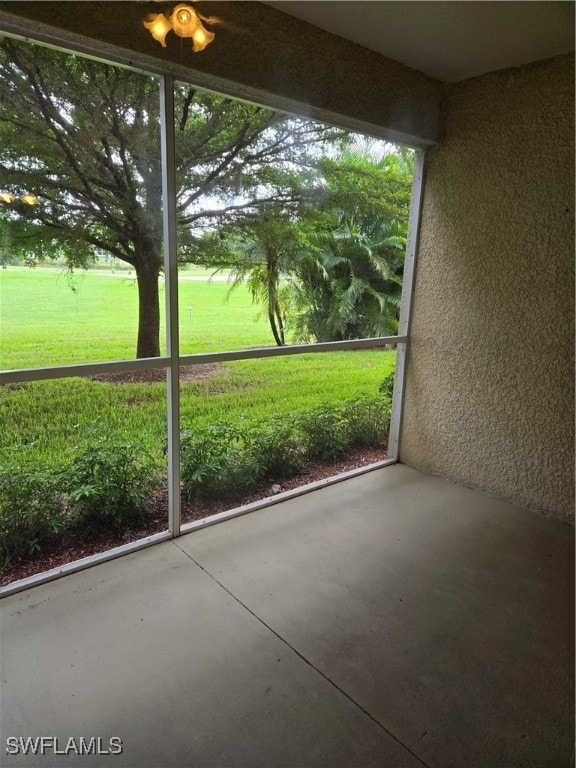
point(272, 321)
point(148, 312)
point(272, 279)
point(280, 322)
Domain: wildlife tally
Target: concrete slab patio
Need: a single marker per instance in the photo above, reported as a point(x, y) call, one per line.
point(394, 619)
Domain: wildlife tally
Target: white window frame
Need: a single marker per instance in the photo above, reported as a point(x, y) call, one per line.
point(172, 361)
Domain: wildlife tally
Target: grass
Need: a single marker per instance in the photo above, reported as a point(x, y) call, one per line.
point(52, 318)
point(45, 322)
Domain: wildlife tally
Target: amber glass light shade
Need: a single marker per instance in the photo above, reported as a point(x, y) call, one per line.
point(201, 38)
point(158, 26)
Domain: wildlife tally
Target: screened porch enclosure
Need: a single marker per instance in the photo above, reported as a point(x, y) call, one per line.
point(260, 266)
point(416, 613)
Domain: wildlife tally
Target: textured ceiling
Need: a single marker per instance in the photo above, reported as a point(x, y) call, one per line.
point(447, 40)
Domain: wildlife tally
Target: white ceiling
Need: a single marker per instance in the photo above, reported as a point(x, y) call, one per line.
point(447, 40)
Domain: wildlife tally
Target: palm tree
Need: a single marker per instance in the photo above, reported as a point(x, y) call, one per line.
point(329, 262)
point(263, 253)
point(259, 265)
point(353, 287)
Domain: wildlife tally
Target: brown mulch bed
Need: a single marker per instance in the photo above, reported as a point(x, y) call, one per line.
point(74, 546)
point(153, 375)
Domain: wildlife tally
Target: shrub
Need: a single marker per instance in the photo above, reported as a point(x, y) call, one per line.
point(108, 481)
point(368, 421)
point(216, 461)
point(325, 433)
point(31, 509)
point(278, 449)
point(387, 386)
point(220, 461)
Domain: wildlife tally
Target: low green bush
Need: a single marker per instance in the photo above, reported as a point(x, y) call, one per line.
point(325, 433)
point(222, 460)
point(217, 461)
point(278, 449)
point(102, 485)
point(31, 509)
point(386, 388)
point(368, 421)
point(107, 482)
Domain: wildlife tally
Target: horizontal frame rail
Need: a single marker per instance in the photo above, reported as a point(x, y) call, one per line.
point(291, 349)
point(270, 501)
point(21, 375)
point(85, 562)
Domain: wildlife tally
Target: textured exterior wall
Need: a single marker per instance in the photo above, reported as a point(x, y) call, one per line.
point(490, 378)
point(270, 56)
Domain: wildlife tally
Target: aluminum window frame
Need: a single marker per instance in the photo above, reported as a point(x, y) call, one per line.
point(171, 362)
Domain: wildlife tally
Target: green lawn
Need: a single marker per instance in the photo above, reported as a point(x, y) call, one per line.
point(44, 322)
point(50, 318)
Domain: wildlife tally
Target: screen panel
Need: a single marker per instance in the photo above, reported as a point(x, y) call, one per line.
point(80, 209)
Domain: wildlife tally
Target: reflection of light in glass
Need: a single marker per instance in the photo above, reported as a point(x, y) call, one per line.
point(28, 198)
point(185, 22)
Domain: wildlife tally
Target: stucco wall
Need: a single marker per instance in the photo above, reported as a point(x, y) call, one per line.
point(490, 377)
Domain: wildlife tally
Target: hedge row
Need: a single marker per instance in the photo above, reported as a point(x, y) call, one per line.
point(104, 482)
point(223, 460)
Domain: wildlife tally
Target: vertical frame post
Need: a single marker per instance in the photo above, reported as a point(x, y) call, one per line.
point(171, 297)
point(406, 304)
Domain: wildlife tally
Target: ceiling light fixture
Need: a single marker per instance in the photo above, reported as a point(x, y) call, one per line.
point(185, 21)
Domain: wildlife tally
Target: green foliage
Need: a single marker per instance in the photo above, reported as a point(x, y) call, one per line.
point(108, 481)
point(351, 287)
point(31, 509)
point(278, 449)
point(386, 387)
point(222, 461)
point(101, 485)
point(216, 461)
point(328, 266)
point(367, 421)
point(325, 433)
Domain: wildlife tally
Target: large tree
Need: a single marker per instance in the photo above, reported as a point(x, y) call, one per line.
point(83, 137)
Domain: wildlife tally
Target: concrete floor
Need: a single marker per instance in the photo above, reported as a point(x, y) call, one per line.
point(394, 620)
